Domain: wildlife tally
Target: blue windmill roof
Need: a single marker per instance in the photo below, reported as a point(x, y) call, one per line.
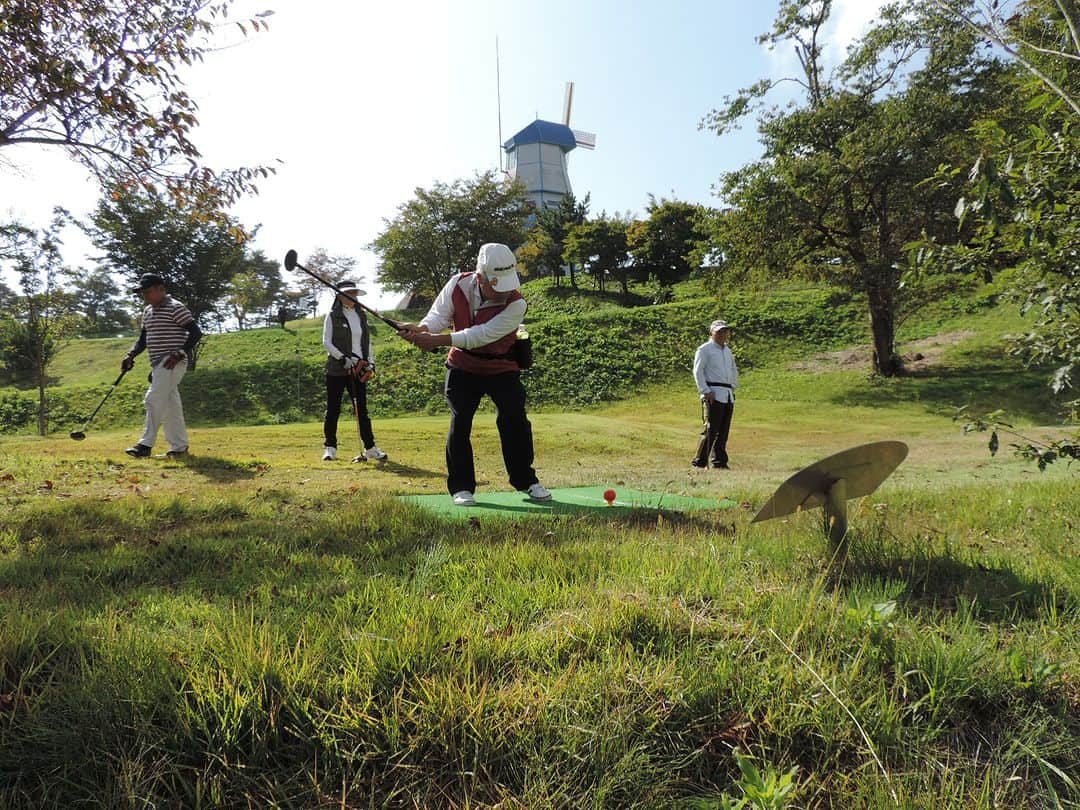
point(543, 132)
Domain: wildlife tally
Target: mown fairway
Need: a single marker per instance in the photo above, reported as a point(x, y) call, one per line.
point(254, 627)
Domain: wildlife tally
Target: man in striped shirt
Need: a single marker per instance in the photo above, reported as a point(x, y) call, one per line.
point(169, 333)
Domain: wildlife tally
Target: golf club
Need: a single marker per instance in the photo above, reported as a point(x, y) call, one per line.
point(292, 264)
point(79, 435)
point(350, 381)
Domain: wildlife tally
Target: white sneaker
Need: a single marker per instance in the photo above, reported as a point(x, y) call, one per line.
point(375, 454)
point(329, 454)
point(537, 492)
point(464, 498)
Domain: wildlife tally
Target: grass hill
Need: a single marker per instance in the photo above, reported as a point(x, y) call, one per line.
point(590, 348)
point(254, 627)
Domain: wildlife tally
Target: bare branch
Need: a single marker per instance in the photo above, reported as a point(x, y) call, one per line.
point(991, 32)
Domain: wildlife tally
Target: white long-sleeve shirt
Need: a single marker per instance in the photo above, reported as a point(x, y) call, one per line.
point(716, 364)
point(441, 315)
point(353, 318)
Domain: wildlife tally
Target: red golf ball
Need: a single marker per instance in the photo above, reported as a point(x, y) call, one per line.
point(609, 496)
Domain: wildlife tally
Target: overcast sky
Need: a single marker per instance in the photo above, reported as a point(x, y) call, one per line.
point(363, 102)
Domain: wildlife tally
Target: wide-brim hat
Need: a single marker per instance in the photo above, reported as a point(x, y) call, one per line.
point(496, 262)
point(351, 288)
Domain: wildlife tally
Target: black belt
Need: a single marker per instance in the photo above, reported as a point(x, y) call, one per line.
point(721, 385)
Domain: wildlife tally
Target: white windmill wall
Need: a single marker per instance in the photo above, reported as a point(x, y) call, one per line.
point(542, 168)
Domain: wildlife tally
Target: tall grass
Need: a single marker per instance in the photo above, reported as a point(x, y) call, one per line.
point(274, 649)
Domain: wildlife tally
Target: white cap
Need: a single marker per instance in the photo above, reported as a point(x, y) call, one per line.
point(717, 325)
point(496, 262)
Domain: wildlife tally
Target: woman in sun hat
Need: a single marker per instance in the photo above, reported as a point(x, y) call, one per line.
point(350, 364)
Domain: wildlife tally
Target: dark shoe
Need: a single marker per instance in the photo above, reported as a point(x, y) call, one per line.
point(176, 453)
point(699, 464)
point(138, 451)
point(721, 467)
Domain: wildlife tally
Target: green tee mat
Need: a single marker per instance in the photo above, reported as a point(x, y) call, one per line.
point(571, 501)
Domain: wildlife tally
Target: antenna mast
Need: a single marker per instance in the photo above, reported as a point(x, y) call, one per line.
point(498, 101)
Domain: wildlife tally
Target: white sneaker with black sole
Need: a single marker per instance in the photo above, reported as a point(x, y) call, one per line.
point(537, 492)
point(329, 454)
point(464, 498)
point(375, 454)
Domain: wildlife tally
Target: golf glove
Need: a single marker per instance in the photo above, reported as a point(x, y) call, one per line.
point(128, 363)
point(350, 362)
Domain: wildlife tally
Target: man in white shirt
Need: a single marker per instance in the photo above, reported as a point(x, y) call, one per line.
point(717, 377)
point(484, 309)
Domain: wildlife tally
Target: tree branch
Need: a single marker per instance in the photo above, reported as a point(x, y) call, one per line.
point(1069, 24)
point(998, 39)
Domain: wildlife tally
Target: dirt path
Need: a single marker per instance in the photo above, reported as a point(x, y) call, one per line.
point(917, 354)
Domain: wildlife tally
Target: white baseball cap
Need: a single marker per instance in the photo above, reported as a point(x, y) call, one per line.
point(717, 325)
point(496, 262)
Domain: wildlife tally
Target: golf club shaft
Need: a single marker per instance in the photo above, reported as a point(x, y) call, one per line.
point(388, 321)
point(105, 399)
point(354, 396)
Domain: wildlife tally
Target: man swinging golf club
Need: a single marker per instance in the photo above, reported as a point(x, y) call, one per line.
point(484, 309)
point(169, 333)
point(350, 364)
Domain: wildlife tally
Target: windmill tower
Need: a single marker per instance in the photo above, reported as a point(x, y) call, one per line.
point(537, 155)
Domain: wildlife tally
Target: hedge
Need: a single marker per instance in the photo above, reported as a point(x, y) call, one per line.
point(579, 360)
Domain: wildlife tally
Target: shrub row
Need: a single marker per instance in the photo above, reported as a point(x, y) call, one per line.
point(579, 360)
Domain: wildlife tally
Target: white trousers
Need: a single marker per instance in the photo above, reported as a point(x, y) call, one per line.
point(164, 408)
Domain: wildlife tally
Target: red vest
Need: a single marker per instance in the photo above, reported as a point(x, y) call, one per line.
point(463, 319)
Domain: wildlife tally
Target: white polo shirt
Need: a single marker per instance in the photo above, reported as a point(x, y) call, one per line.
point(715, 364)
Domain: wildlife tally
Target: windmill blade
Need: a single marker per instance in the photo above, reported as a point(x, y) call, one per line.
point(586, 140)
point(568, 102)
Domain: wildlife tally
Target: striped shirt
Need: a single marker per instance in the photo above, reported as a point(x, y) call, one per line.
point(166, 328)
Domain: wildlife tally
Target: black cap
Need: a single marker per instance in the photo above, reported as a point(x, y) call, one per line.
point(148, 280)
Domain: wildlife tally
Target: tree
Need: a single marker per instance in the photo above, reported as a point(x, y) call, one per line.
point(439, 232)
point(256, 288)
point(40, 317)
point(840, 187)
point(545, 241)
point(1023, 194)
point(600, 246)
point(96, 298)
point(331, 268)
point(103, 81)
point(140, 232)
point(1022, 198)
point(7, 297)
point(664, 244)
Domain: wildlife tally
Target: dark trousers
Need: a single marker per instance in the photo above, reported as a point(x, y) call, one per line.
point(335, 387)
point(713, 445)
point(463, 394)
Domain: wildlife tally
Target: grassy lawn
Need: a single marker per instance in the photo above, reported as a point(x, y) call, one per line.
point(254, 627)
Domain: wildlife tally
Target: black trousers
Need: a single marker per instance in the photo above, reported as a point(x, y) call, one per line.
point(335, 387)
point(463, 394)
point(713, 445)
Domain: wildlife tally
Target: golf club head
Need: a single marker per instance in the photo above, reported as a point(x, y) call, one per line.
point(77, 435)
point(290, 260)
